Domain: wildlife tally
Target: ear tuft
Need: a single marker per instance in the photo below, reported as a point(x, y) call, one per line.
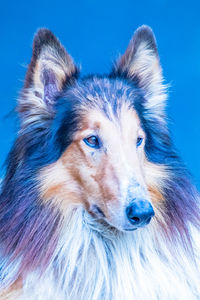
point(140, 63)
point(141, 52)
point(51, 67)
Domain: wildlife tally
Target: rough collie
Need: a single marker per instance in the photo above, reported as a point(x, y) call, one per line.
point(95, 203)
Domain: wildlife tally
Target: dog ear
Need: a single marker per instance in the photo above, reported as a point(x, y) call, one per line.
point(140, 63)
point(51, 68)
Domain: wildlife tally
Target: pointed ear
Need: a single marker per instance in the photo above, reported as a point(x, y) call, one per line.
point(51, 68)
point(140, 63)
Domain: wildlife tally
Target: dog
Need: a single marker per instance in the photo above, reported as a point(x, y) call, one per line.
point(95, 203)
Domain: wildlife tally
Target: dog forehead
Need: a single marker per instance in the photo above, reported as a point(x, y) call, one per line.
point(102, 91)
point(100, 98)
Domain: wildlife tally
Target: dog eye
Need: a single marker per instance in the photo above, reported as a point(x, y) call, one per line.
point(92, 141)
point(139, 141)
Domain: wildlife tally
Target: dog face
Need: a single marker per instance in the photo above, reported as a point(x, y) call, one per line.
point(95, 131)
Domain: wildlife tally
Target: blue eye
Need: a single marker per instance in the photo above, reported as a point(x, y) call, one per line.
point(139, 141)
point(92, 141)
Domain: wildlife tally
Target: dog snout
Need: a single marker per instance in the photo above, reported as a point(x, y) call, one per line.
point(139, 213)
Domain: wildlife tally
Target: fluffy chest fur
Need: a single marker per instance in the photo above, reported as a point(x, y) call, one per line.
point(96, 265)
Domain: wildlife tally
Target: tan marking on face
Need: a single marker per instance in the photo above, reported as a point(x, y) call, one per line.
point(53, 191)
point(156, 176)
point(156, 195)
point(59, 186)
point(101, 177)
point(157, 201)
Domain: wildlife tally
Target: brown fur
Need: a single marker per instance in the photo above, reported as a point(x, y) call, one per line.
point(13, 291)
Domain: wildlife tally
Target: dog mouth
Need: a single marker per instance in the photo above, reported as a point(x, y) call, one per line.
point(130, 229)
point(99, 215)
point(96, 211)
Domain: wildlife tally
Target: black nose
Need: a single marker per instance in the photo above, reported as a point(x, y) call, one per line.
point(140, 212)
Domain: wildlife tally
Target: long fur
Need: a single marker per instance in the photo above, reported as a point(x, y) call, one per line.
point(91, 263)
point(57, 253)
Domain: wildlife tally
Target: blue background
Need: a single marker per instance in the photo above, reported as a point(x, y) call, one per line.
point(94, 33)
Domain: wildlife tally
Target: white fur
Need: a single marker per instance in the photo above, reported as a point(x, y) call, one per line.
point(94, 263)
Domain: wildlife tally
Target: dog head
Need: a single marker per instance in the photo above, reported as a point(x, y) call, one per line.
point(95, 141)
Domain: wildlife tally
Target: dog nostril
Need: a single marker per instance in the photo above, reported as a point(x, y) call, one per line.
point(139, 212)
point(136, 219)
